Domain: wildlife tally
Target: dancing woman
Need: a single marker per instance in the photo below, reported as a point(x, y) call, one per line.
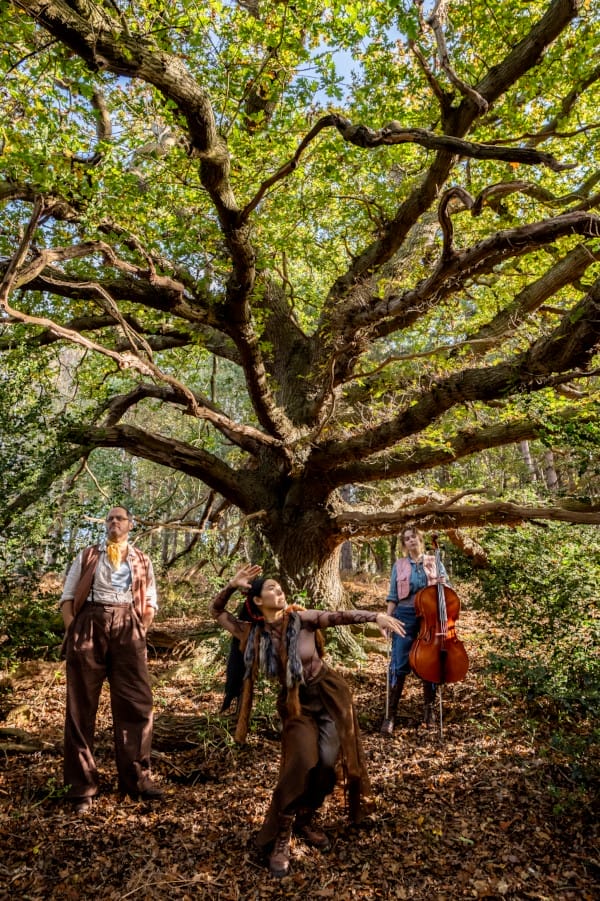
point(315, 705)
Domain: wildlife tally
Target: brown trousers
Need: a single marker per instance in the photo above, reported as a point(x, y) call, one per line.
point(326, 728)
point(107, 642)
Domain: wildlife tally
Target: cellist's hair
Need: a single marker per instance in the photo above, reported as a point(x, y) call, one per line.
point(412, 530)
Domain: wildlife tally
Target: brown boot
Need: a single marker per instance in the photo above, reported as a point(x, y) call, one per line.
point(279, 861)
point(387, 726)
point(429, 695)
point(307, 829)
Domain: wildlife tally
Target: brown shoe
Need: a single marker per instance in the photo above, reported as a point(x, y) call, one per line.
point(312, 834)
point(279, 860)
point(151, 793)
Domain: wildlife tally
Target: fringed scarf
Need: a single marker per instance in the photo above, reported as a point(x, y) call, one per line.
point(260, 657)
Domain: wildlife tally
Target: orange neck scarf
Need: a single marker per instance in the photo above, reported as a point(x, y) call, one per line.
point(114, 552)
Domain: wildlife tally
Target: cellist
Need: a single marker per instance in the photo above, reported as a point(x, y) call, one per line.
point(410, 573)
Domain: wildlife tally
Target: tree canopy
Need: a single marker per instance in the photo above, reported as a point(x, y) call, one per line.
point(318, 256)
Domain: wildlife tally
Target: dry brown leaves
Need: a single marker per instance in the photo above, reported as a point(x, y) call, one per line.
point(471, 816)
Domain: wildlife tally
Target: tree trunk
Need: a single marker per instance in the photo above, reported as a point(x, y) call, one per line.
point(346, 557)
point(550, 474)
point(165, 554)
point(528, 460)
point(310, 573)
point(378, 551)
point(346, 551)
point(319, 585)
point(326, 584)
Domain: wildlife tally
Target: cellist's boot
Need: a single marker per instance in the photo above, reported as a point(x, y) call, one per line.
point(429, 695)
point(279, 860)
point(387, 726)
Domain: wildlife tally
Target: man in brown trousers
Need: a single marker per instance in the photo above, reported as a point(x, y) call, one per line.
point(108, 603)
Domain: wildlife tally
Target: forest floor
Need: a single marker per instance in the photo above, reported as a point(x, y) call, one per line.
point(491, 809)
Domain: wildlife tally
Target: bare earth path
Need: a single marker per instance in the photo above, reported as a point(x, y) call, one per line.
point(482, 814)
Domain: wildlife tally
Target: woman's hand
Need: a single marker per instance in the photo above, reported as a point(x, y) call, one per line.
point(245, 576)
point(388, 624)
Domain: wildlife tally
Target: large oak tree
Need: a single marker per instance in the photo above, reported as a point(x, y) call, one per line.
point(394, 262)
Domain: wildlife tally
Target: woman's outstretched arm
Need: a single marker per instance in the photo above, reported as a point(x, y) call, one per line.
point(322, 619)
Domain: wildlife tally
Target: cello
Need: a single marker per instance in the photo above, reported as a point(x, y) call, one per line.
point(437, 655)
